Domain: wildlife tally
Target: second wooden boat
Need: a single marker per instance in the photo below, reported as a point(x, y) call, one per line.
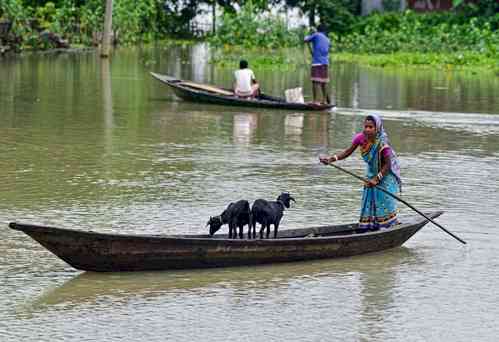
point(196, 92)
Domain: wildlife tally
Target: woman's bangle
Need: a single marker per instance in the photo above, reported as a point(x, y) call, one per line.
point(379, 176)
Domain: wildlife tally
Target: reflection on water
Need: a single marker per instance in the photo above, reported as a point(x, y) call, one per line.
point(107, 102)
point(88, 287)
point(97, 144)
point(415, 89)
point(293, 125)
point(244, 127)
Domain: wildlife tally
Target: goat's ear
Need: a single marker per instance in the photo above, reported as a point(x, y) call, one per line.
point(291, 198)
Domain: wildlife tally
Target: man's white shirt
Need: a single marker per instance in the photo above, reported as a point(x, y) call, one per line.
point(244, 79)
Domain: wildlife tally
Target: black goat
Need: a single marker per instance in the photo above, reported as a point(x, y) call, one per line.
point(236, 215)
point(267, 213)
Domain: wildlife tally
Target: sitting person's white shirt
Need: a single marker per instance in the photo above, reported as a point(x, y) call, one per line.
point(244, 82)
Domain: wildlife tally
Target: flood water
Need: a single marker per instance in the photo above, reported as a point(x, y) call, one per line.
point(100, 145)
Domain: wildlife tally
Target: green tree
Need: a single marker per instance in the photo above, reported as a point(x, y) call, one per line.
point(337, 15)
point(231, 5)
point(477, 7)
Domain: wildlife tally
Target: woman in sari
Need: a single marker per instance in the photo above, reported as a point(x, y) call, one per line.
point(378, 210)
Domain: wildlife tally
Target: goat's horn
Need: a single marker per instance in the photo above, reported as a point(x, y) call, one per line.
point(291, 198)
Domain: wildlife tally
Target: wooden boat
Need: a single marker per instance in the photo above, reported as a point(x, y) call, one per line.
point(196, 92)
point(91, 251)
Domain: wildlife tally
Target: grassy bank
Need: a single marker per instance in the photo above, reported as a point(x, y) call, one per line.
point(460, 60)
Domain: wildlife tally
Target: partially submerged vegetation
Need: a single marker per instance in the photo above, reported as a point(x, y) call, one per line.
point(461, 60)
point(390, 39)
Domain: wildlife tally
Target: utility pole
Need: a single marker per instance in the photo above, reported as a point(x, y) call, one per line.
point(403, 5)
point(108, 24)
point(214, 17)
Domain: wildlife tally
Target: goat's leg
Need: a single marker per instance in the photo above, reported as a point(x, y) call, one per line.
point(262, 227)
point(251, 227)
point(253, 224)
point(268, 230)
point(230, 231)
point(276, 226)
point(241, 231)
point(234, 231)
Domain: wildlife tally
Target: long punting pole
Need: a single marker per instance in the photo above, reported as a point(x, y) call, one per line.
point(401, 200)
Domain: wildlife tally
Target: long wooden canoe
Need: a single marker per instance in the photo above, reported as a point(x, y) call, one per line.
point(196, 92)
point(92, 251)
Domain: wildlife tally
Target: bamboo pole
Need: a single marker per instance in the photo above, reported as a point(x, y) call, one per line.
point(399, 199)
point(108, 23)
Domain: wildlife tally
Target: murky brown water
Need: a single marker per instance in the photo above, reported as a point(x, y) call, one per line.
point(95, 145)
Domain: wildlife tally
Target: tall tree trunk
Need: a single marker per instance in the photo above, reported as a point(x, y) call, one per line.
point(311, 17)
point(108, 24)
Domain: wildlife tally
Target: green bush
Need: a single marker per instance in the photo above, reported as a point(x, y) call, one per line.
point(250, 29)
point(15, 11)
point(427, 33)
point(79, 20)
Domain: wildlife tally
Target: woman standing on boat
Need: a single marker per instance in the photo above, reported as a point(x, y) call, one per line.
point(378, 210)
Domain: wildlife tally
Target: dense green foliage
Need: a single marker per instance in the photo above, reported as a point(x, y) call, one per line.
point(338, 15)
point(430, 33)
point(449, 38)
point(251, 28)
point(476, 7)
point(80, 22)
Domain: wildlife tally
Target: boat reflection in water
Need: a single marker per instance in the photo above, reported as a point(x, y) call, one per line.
point(88, 288)
point(293, 126)
point(244, 127)
point(317, 128)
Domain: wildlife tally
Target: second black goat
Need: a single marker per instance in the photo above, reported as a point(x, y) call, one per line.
point(269, 212)
point(235, 215)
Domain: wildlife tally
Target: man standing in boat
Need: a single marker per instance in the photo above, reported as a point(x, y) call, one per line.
point(319, 73)
point(245, 84)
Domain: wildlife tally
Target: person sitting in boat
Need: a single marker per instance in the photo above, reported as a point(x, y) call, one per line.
point(378, 210)
point(245, 84)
